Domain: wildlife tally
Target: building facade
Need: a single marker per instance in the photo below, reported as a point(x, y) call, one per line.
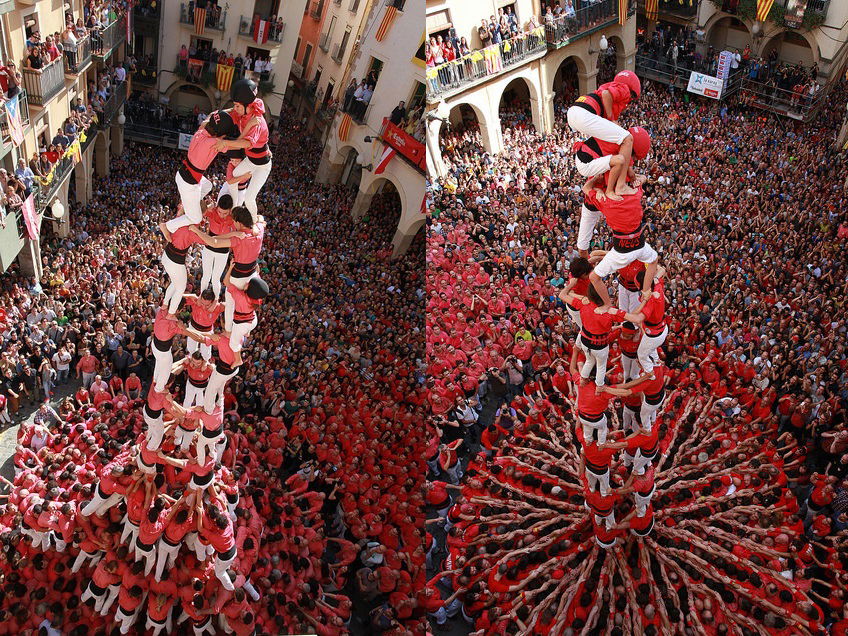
point(322, 57)
point(45, 101)
point(547, 57)
point(365, 148)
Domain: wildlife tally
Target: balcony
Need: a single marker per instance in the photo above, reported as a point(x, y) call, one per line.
point(353, 6)
point(338, 53)
point(315, 9)
point(324, 42)
point(215, 17)
point(43, 85)
point(146, 75)
point(296, 69)
point(672, 7)
point(480, 66)
point(113, 105)
point(565, 29)
point(147, 13)
point(109, 37)
point(275, 29)
point(406, 145)
point(77, 62)
point(23, 110)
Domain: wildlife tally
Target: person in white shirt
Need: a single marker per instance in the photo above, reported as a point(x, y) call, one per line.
point(62, 363)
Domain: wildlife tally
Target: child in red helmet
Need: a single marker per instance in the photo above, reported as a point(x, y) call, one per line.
point(595, 115)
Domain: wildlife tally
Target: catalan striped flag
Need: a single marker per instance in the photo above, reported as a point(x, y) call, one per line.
point(652, 10)
point(224, 77)
point(763, 8)
point(344, 127)
point(13, 115)
point(199, 19)
point(386, 24)
point(622, 11)
point(385, 159)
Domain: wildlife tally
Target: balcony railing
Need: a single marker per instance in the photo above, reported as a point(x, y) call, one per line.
point(45, 193)
point(673, 7)
point(109, 37)
point(315, 10)
point(44, 84)
point(660, 70)
point(214, 20)
point(23, 112)
point(564, 28)
point(338, 52)
point(489, 62)
point(783, 102)
point(146, 75)
point(275, 29)
point(113, 105)
point(324, 42)
point(76, 62)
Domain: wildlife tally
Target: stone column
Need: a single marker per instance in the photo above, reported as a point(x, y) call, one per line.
point(82, 175)
point(101, 153)
point(403, 238)
point(29, 258)
point(435, 163)
point(117, 140)
point(588, 81)
point(361, 204)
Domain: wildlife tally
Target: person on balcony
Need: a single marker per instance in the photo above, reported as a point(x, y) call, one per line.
point(362, 102)
point(398, 113)
point(51, 48)
point(69, 43)
point(61, 139)
point(25, 175)
point(35, 59)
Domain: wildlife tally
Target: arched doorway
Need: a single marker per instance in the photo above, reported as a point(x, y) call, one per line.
point(567, 82)
point(729, 33)
point(461, 133)
point(383, 215)
point(791, 47)
point(610, 60)
point(514, 107)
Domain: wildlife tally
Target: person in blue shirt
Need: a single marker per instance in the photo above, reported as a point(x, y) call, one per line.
point(60, 139)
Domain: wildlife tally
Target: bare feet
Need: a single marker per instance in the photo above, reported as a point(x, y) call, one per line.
point(164, 229)
point(584, 381)
point(625, 191)
point(610, 194)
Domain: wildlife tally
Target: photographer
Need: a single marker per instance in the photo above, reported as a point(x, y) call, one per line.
point(514, 370)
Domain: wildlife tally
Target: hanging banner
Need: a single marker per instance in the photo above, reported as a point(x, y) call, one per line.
point(705, 85)
point(13, 116)
point(725, 63)
point(31, 217)
point(260, 31)
point(225, 77)
point(185, 141)
point(794, 15)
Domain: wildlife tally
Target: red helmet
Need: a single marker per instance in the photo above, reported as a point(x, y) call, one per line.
point(630, 80)
point(641, 142)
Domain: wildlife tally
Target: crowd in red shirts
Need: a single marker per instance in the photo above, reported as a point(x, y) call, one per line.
point(323, 425)
point(737, 523)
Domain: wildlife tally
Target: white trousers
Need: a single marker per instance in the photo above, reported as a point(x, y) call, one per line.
point(628, 300)
point(592, 125)
point(615, 260)
point(100, 504)
point(166, 556)
point(83, 556)
point(156, 627)
point(221, 571)
point(129, 534)
point(206, 445)
point(648, 347)
point(178, 276)
point(215, 390)
point(239, 332)
point(630, 367)
point(155, 432)
point(648, 414)
point(148, 556)
point(164, 361)
point(193, 345)
point(628, 420)
point(594, 168)
point(642, 502)
point(595, 359)
point(201, 550)
point(183, 438)
point(575, 318)
point(214, 264)
point(640, 463)
point(588, 220)
point(191, 194)
point(258, 177)
point(193, 395)
point(589, 428)
point(596, 480)
point(108, 599)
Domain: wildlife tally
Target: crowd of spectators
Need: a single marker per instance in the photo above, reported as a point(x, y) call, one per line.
point(196, 61)
point(748, 214)
point(324, 425)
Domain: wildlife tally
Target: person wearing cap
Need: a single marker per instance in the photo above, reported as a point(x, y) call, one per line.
point(191, 182)
point(205, 310)
point(240, 314)
point(601, 161)
point(249, 112)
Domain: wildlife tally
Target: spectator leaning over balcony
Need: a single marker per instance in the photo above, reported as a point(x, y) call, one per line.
point(25, 175)
point(69, 41)
point(79, 29)
point(398, 113)
point(120, 74)
point(14, 201)
point(35, 58)
point(484, 32)
point(35, 166)
point(13, 80)
point(61, 139)
point(495, 29)
point(51, 48)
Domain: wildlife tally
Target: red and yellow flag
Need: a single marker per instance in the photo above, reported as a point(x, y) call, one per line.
point(199, 20)
point(652, 10)
point(344, 127)
point(622, 11)
point(763, 8)
point(386, 24)
point(224, 78)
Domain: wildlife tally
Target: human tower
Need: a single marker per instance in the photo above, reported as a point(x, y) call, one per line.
point(174, 565)
point(614, 190)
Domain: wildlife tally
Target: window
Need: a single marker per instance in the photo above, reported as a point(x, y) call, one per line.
point(318, 75)
point(397, 4)
point(296, 49)
point(343, 43)
point(438, 21)
point(354, 5)
point(307, 55)
point(332, 26)
point(31, 27)
point(420, 58)
point(331, 85)
point(419, 95)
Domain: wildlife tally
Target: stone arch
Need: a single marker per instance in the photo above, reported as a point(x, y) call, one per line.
point(565, 84)
point(612, 60)
point(177, 85)
point(520, 86)
point(793, 46)
point(489, 125)
point(724, 31)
